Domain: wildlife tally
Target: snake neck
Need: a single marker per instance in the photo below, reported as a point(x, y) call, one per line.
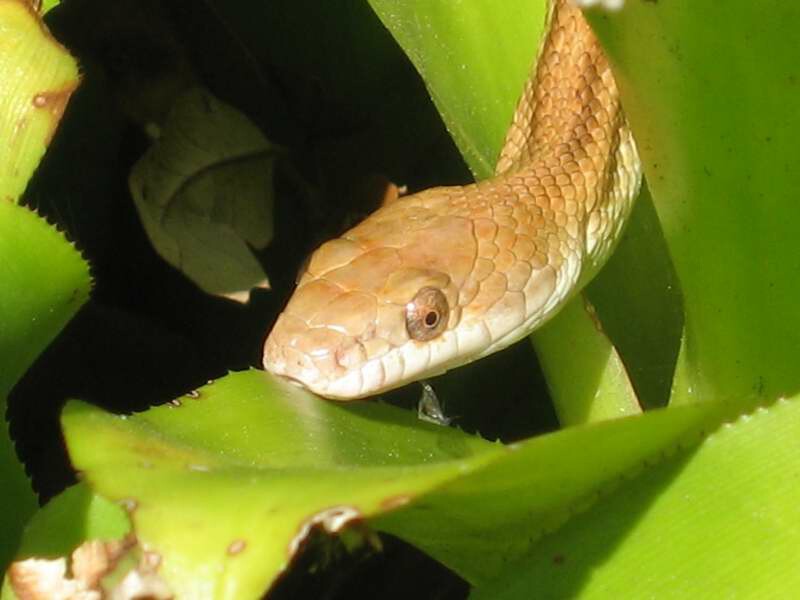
point(569, 130)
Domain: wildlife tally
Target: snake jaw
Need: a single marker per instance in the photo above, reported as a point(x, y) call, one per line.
point(335, 365)
point(325, 376)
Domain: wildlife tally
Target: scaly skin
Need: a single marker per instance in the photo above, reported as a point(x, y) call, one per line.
point(506, 253)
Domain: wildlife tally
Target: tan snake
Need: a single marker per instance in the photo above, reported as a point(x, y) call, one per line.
point(443, 277)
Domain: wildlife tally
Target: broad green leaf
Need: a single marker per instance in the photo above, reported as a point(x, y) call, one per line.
point(227, 484)
point(44, 279)
point(478, 524)
point(227, 481)
point(38, 78)
point(474, 57)
point(44, 283)
point(639, 297)
point(723, 519)
point(601, 390)
point(72, 517)
point(714, 113)
point(204, 193)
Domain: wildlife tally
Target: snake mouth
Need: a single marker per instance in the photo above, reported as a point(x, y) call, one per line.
point(289, 379)
point(318, 372)
point(290, 364)
point(347, 372)
point(300, 370)
point(339, 373)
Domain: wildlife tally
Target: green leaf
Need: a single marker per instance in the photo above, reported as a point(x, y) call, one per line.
point(38, 78)
point(204, 193)
point(44, 283)
point(474, 58)
point(250, 464)
point(227, 481)
point(722, 518)
point(713, 112)
point(639, 298)
point(480, 523)
point(48, 5)
point(72, 517)
point(601, 389)
point(44, 279)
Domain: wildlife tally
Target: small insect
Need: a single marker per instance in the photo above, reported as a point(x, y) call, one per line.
point(430, 409)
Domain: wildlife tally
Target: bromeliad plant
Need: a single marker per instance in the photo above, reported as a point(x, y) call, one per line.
point(212, 495)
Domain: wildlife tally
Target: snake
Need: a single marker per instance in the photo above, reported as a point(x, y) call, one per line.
point(445, 276)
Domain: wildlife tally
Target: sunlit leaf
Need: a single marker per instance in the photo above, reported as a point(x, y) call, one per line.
point(227, 481)
point(38, 78)
point(714, 114)
point(47, 5)
point(44, 280)
point(723, 518)
point(601, 390)
point(474, 59)
point(44, 283)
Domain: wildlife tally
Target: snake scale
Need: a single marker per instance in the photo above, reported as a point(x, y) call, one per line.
point(440, 278)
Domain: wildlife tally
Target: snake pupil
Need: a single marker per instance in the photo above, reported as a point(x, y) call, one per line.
point(431, 319)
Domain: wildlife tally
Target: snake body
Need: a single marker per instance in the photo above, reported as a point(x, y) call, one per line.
point(448, 275)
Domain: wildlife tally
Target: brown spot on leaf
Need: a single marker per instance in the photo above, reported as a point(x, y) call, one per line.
point(54, 102)
point(592, 312)
point(236, 547)
point(393, 502)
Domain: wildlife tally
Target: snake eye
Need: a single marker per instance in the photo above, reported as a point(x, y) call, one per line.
point(427, 314)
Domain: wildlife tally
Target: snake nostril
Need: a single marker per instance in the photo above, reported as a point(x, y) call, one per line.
point(350, 356)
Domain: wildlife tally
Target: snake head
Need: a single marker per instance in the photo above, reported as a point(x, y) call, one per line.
point(419, 287)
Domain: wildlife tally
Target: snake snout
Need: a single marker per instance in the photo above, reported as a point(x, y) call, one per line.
point(290, 363)
point(322, 359)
